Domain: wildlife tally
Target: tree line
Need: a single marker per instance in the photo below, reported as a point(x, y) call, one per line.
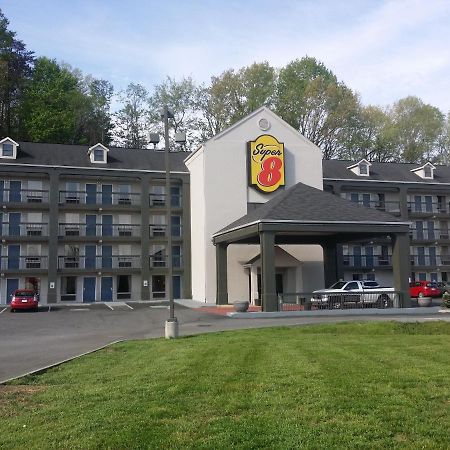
point(42, 100)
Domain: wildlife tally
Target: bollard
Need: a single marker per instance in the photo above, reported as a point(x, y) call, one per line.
point(171, 328)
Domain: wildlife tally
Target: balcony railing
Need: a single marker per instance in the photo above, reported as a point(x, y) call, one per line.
point(428, 234)
point(425, 260)
point(388, 206)
point(159, 260)
point(99, 262)
point(23, 262)
point(428, 207)
point(161, 230)
point(103, 230)
point(367, 260)
point(99, 198)
point(159, 200)
point(24, 229)
point(23, 196)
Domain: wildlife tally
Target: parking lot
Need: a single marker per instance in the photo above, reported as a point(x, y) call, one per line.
point(30, 341)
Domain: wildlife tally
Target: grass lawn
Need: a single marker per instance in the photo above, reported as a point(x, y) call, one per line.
point(355, 385)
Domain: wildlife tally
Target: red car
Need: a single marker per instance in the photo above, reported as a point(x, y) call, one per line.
point(24, 299)
point(424, 289)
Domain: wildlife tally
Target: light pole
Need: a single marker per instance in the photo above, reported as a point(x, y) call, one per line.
point(171, 328)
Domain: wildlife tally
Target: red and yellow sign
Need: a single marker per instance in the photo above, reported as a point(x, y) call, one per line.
point(266, 163)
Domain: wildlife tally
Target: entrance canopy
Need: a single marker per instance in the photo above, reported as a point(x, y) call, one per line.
point(305, 215)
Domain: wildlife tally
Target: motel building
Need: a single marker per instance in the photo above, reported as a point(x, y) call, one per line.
point(256, 214)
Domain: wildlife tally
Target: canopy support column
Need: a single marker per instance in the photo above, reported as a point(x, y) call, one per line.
point(330, 263)
point(268, 284)
point(401, 266)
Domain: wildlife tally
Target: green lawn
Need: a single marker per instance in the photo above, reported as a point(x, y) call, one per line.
point(355, 385)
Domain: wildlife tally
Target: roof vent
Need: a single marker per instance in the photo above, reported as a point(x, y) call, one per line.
point(98, 154)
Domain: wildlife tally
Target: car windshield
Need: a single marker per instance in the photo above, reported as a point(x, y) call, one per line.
point(338, 285)
point(432, 285)
point(24, 294)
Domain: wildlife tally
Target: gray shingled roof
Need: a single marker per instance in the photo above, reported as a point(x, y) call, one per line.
point(334, 168)
point(76, 156)
point(304, 204)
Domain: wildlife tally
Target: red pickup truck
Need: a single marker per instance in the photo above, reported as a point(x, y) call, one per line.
point(424, 289)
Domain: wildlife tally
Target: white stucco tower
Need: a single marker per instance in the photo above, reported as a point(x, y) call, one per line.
point(221, 193)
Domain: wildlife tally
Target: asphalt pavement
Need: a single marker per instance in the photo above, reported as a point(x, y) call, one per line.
point(30, 341)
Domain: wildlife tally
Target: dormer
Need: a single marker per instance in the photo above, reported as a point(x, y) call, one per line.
point(8, 148)
point(426, 171)
point(98, 154)
point(361, 168)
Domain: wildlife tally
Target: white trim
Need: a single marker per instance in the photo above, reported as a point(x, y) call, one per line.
point(9, 139)
point(307, 222)
point(387, 181)
point(94, 168)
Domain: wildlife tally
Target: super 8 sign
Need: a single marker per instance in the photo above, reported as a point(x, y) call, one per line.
point(266, 163)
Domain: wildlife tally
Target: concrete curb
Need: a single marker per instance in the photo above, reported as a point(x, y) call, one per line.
point(339, 312)
point(50, 366)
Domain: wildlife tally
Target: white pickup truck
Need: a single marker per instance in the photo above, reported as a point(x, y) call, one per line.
point(355, 293)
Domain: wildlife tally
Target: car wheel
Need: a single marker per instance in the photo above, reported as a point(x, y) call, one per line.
point(420, 294)
point(12, 310)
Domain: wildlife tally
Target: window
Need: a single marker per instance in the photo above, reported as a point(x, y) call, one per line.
point(176, 226)
point(68, 288)
point(8, 150)
point(158, 256)
point(72, 192)
point(158, 225)
point(427, 172)
point(124, 194)
point(99, 155)
point(176, 256)
point(363, 169)
point(157, 195)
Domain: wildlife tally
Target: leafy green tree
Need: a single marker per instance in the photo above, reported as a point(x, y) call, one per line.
point(15, 68)
point(418, 129)
point(233, 95)
point(54, 104)
point(182, 98)
point(131, 121)
point(310, 98)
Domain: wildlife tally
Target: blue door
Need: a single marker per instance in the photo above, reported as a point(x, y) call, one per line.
point(14, 191)
point(357, 256)
point(13, 256)
point(107, 229)
point(430, 229)
point(354, 197)
point(107, 288)
point(428, 203)
point(176, 286)
point(432, 253)
point(107, 194)
point(1, 224)
point(91, 224)
point(89, 289)
point(90, 254)
point(91, 194)
point(2, 191)
point(366, 200)
point(106, 256)
point(417, 203)
point(421, 256)
point(419, 229)
point(11, 285)
point(14, 224)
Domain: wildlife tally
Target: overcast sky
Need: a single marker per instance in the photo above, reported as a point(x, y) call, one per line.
point(384, 50)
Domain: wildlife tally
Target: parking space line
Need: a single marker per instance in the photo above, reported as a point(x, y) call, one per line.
point(110, 307)
point(126, 304)
point(3, 310)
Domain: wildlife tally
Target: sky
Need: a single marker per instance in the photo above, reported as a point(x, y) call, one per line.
point(382, 49)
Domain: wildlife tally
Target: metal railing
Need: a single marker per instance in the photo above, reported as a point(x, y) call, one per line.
point(99, 198)
point(160, 230)
point(23, 262)
point(307, 301)
point(159, 200)
point(24, 229)
point(159, 260)
point(99, 262)
point(426, 260)
point(429, 234)
point(104, 230)
point(428, 207)
point(23, 196)
point(366, 260)
point(381, 205)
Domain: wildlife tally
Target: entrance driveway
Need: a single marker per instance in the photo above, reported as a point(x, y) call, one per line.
point(30, 341)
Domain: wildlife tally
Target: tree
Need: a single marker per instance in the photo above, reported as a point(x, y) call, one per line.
point(182, 98)
point(310, 98)
point(130, 128)
point(418, 129)
point(15, 68)
point(53, 105)
point(233, 95)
